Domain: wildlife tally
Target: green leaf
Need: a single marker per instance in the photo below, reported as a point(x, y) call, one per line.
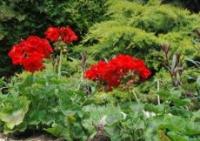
point(177, 137)
point(13, 119)
point(13, 110)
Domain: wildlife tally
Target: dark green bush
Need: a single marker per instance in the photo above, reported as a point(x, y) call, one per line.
point(193, 5)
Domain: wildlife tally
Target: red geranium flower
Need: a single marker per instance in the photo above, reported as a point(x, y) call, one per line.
point(96, 71)
point(30, 53)
point(52, 33)
point(34, 62)
point(112, 72)
point(17, 53)
point(68, 35)
point(35, 43)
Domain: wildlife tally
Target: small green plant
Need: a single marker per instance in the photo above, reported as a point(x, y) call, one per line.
point(41, 101)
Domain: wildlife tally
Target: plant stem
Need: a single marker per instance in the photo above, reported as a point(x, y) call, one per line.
point(60, 64)
point(136, 98)
point(158, 89)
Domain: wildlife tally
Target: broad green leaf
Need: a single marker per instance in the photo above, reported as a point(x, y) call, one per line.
point(13, 111)
point(13, 119)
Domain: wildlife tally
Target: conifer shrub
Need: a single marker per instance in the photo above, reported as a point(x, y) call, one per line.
point(140, 30)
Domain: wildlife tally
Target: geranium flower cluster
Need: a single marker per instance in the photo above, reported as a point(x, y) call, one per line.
point(112, 72)
point(30, 53)
point(65, 33)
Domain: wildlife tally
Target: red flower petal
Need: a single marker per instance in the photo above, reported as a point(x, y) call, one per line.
point(34, 62)
point(68, 35)
point(52, 34)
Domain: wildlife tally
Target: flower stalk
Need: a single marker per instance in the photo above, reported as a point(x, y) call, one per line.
point(60, 64)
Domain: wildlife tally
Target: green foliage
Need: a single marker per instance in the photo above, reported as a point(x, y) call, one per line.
point(13, 110)
point(42, 102)
point(55, 105)
point(140, 30)
point(130, 120)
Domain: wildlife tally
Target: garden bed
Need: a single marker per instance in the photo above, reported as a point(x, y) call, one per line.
point(109, 70)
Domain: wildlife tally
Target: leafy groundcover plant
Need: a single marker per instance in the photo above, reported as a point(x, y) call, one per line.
point(134, 77)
